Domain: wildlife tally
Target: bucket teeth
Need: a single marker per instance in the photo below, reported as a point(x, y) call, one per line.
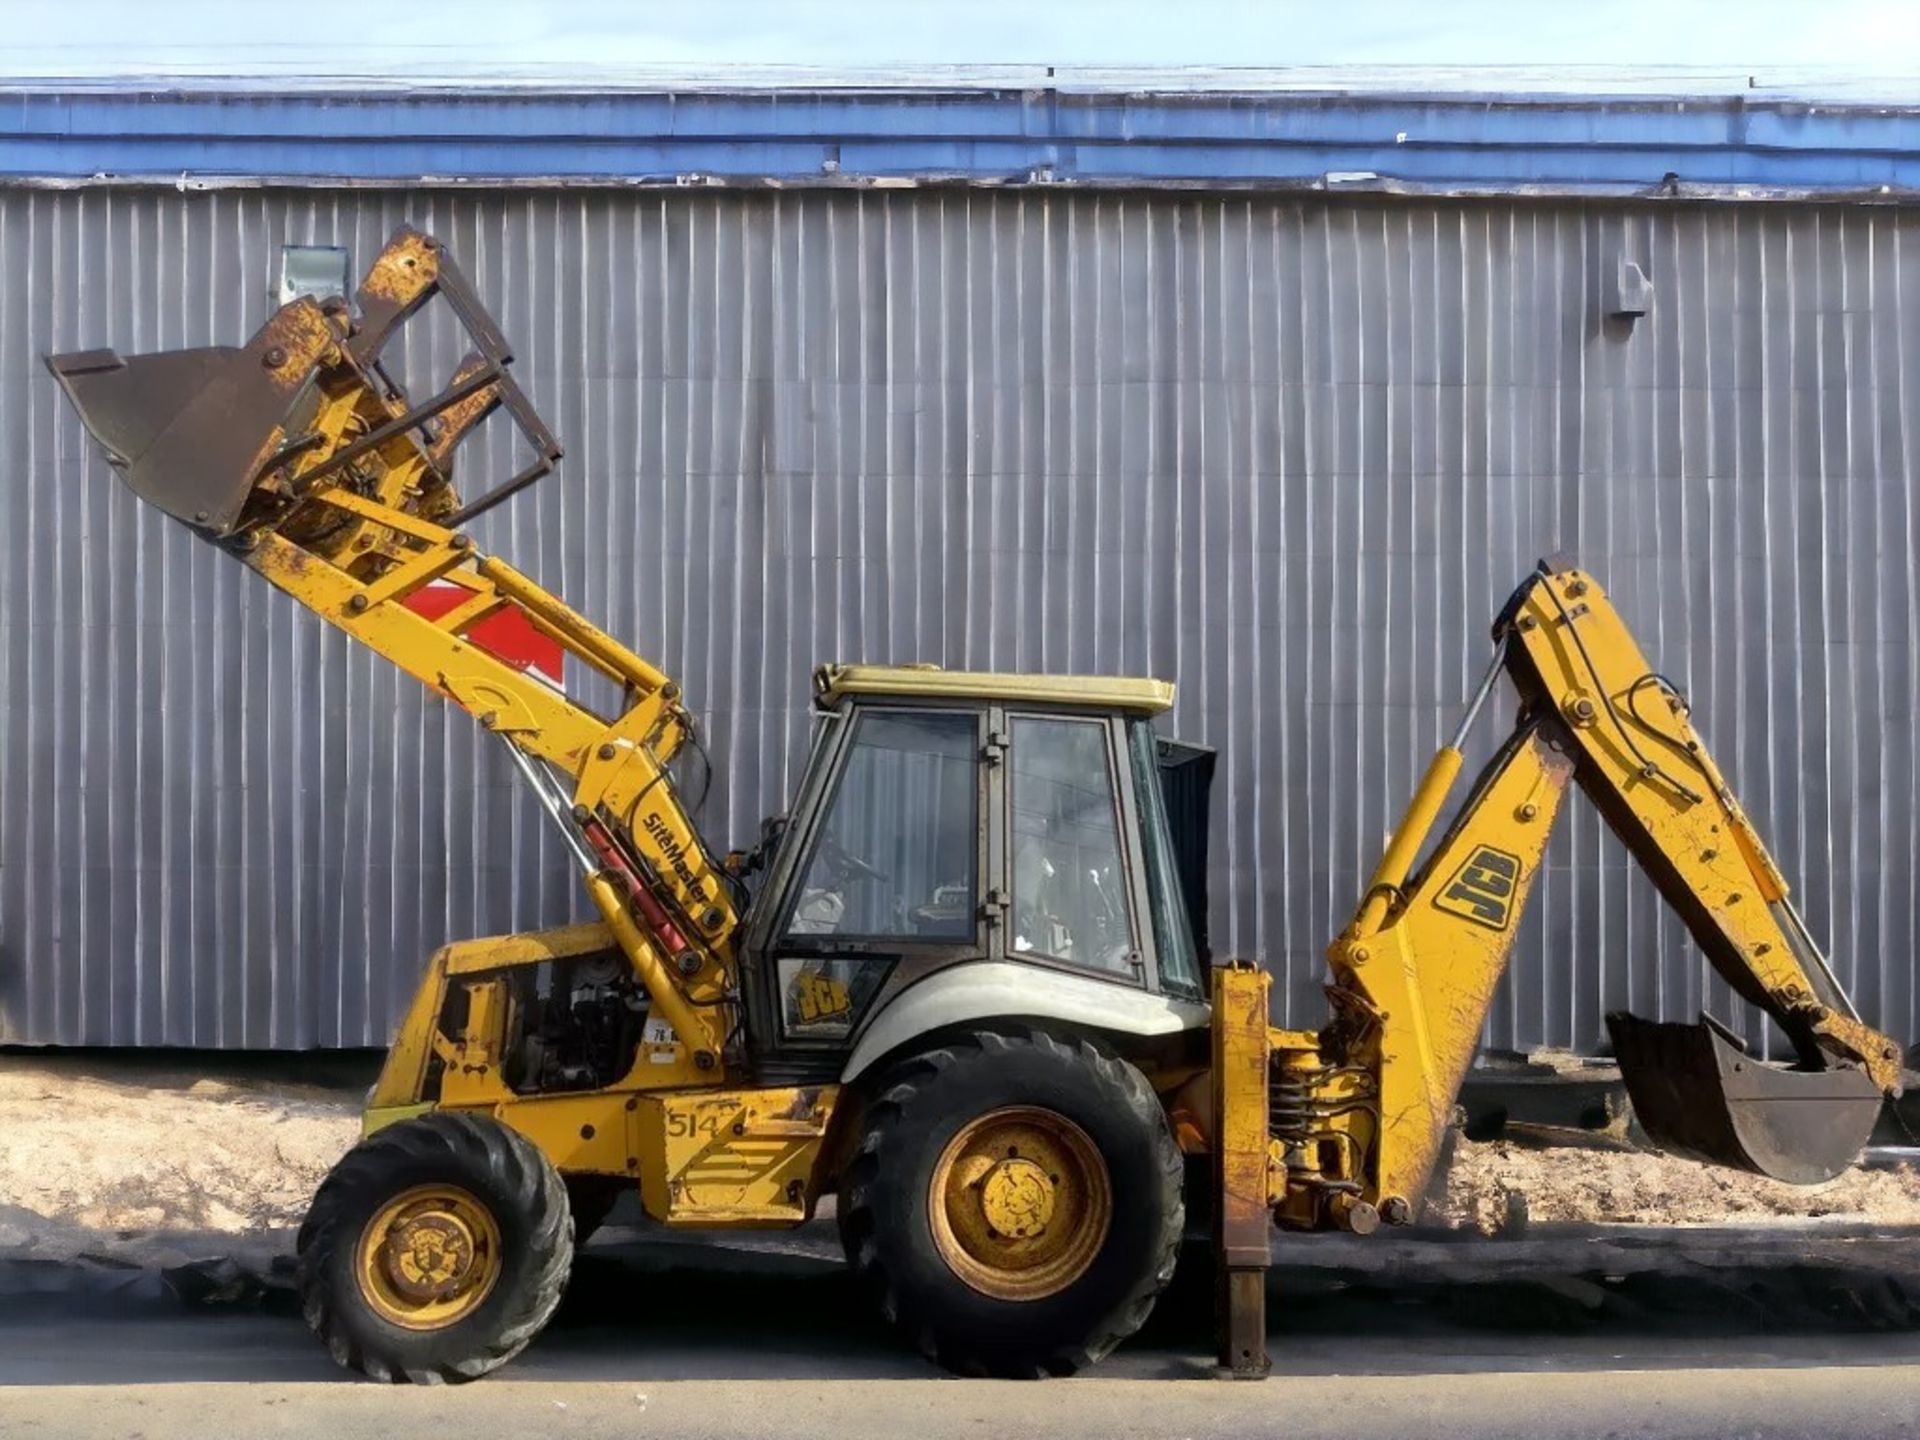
point(1696, 1093)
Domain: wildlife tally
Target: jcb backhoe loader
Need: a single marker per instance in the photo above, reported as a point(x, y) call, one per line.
point(957, 986)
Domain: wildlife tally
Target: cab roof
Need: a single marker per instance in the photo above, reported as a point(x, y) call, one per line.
point(835, 683)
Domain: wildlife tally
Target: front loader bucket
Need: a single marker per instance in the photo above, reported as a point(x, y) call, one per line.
point(1696, 1093)
point(189, 430)
point(244, 440)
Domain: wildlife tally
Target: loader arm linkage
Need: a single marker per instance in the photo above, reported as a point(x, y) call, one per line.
point(300, 456)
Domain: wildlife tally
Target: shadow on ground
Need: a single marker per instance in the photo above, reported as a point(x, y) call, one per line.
point(1342, 1295)
point(647, 1305)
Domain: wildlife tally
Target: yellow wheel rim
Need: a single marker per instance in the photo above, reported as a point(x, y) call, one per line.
point(1020, 1203)
point(429, 1257)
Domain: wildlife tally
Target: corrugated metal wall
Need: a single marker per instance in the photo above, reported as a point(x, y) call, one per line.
point(1290, 452)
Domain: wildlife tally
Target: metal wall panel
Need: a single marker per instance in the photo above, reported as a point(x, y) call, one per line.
point(1290, 452)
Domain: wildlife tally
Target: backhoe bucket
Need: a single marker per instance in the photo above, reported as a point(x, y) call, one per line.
point(1697, 1093)
point(189, 430)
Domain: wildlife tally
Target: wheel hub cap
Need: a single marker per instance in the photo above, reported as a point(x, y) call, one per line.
point(1020, 1202)
point(430, 1256)
point(1017, 1199)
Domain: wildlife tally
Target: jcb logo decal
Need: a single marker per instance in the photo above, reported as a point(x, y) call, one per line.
point(1483, 888)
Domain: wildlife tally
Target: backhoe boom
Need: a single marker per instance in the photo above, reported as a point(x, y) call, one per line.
point(1357, 1112)
point(1591, 710)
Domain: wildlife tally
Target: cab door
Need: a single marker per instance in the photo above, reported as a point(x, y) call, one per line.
point(883, 874)
point(1072, 878)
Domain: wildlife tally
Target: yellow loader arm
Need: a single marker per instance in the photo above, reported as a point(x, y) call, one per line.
point(301, 457)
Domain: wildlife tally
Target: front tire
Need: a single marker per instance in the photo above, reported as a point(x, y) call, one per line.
point(435, 1250)
point(1015, 1204)
point(591, 1198)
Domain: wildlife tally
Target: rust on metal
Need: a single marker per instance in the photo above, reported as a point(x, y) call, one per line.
point(191, 430)
point(239, 439)
point(1697, 1092)
point(401, 279)
point(459, 419)
point(1240, 1112)
point(806, 1102)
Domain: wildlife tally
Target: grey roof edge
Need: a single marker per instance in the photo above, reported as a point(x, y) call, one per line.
point(1357, 186)
point(1461, 145)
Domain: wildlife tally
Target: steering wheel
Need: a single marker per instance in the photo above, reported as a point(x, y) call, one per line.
point(843, 860)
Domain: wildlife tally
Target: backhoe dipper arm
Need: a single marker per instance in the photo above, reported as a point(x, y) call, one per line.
point(1643, 765)
point(299, 455)
point(1359, 1109)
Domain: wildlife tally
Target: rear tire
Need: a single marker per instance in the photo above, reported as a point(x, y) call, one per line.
point(995, 1262)
point(435, 1250)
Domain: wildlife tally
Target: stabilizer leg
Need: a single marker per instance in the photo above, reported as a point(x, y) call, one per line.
point(1242, 1221)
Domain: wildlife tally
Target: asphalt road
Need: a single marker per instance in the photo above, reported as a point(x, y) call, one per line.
point(777, 1345)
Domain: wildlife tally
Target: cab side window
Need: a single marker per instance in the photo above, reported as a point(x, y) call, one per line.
point(1068, 878)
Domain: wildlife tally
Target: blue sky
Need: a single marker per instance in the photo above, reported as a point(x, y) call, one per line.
point(1655, 44)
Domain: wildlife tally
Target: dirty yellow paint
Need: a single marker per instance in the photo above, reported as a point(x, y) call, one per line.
point(1361, 1107)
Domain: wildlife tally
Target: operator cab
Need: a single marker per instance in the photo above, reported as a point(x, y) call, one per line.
point(951, 817)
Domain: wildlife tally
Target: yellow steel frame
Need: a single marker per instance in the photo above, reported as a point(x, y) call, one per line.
point(1134, 694)
point(350, 510)
point(1244, 1171)
point(352, 542)
point(1415, 975)
point(1364, 1103)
